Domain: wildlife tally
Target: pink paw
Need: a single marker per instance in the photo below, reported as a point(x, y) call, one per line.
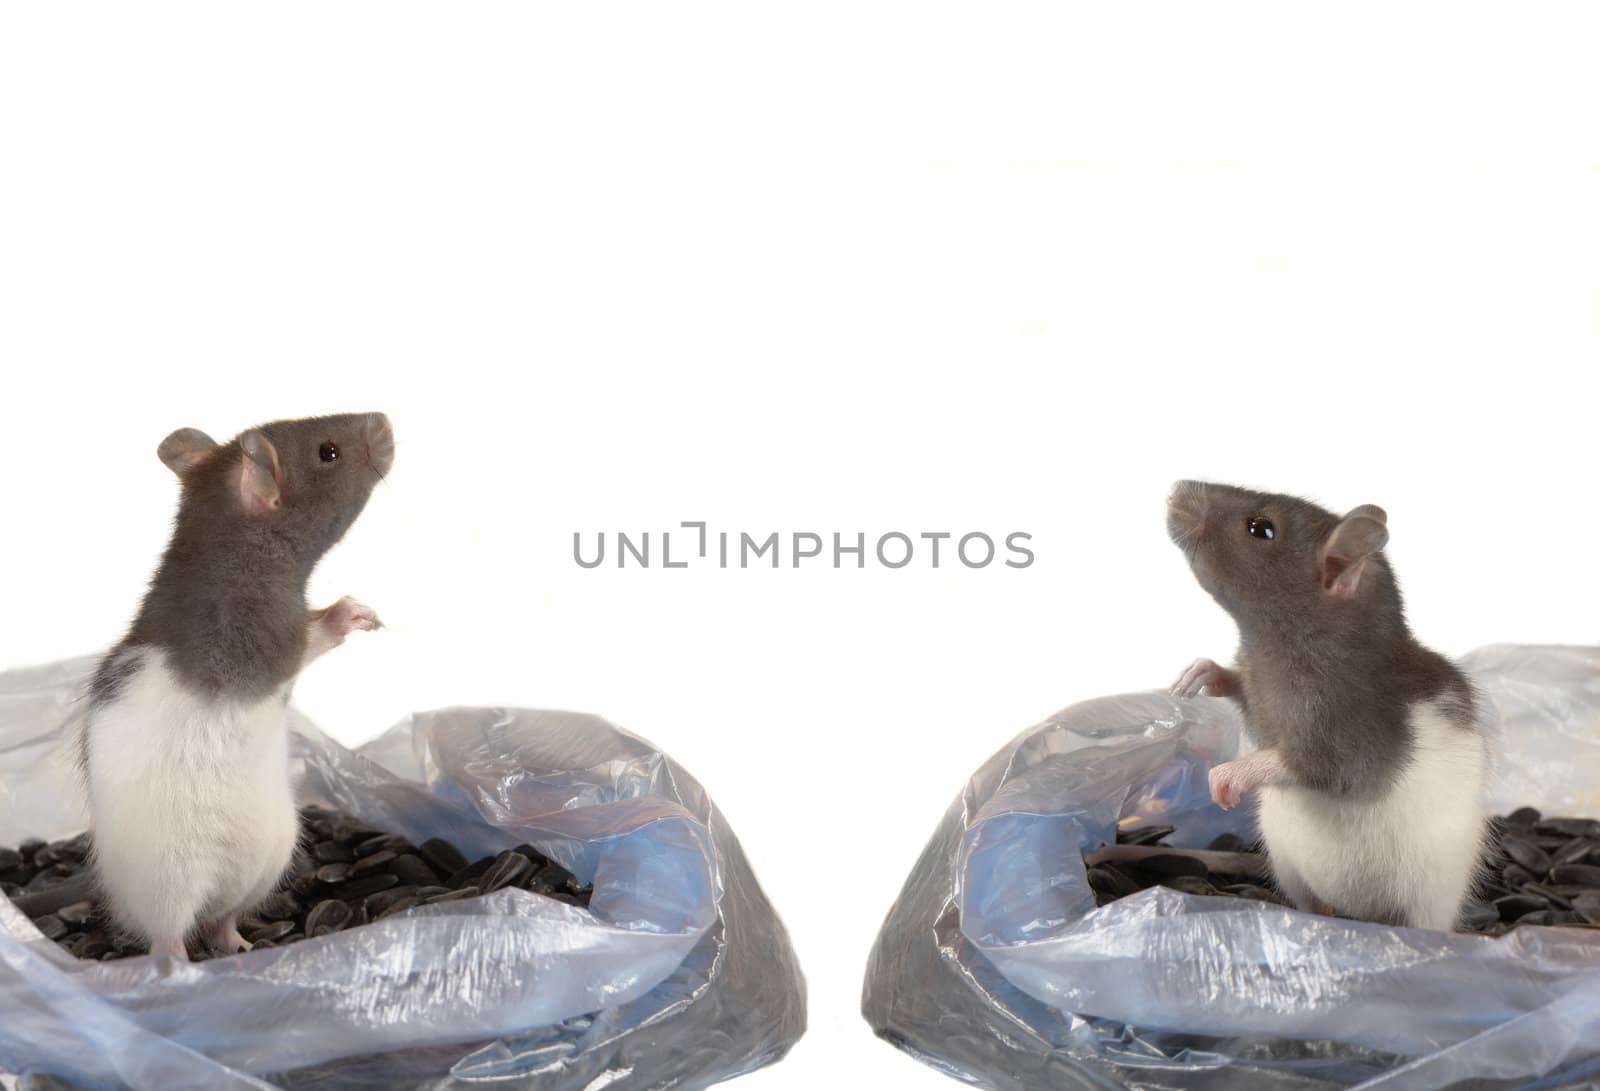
point(169, 948)
point(347, 616)
point(1228, 785)
point(230, 942)
point(1204, 676)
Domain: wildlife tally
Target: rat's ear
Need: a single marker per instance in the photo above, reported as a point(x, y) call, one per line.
point(1352, 544)
point(258, 474)
point(184, 449)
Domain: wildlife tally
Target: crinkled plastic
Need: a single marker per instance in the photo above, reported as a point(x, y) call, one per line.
point(679, 974)
point(995, 966)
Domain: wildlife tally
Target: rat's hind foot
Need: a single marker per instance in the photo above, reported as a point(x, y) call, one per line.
point(1232, 781)
point(224, 936)
point(171, 948)
point(1206, 676)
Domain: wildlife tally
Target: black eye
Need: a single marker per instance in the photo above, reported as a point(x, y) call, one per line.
point(1260, 528)
point(328, 453)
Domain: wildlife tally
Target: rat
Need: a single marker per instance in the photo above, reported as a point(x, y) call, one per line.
point(184, 747)
point(1371, 764)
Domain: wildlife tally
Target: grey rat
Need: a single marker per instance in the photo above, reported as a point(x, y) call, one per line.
point(185, 739)
point(1370, 763)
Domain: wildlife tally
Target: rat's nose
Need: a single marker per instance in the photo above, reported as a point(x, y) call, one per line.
point(380, 442)
point(1185, 509)
point(1181, 491)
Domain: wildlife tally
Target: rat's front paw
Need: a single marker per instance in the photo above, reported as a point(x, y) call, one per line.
point(1205, 676)
point(1229, 783)
point(347, 616)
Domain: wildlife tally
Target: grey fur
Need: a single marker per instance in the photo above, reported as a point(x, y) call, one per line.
point(1326, 681)
point(227, 604)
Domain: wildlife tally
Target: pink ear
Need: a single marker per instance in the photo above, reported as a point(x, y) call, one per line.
point(1344, 556)
point(185, 449)
point(258, 474)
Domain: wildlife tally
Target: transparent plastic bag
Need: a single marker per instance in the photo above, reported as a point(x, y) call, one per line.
point(678, 974)
point(994, 964)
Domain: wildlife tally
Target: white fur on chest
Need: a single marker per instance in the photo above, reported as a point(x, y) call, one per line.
point(1411, 852)
point(191, 803)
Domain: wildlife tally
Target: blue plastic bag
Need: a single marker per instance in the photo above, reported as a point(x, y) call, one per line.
point(678, 973)
point(995, 966)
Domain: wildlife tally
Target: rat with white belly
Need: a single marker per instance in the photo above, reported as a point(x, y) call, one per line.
point(184, 747)
point(1371, 765)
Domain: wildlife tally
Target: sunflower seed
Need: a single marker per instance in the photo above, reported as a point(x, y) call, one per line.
point(509, 869)
point(363, 885)
point(271, 932)
point(453, 895)
point(1143, 835)
point(411, 869)
point(1577, 874)
point(327, 916)
point(333, 873)
point(398, 906)
point(1526, 853)
point(1514, 906)
point(376, 903)
point(332, 852)
point(445, 857)
point(376, 860)
point(77, 914)
point(381, 842)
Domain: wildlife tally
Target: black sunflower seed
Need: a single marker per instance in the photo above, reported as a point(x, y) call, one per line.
point(1143, 835)
point(1526, 853)
point(453, 895)
point(270, 933)
point(398, 906)
point(333, 873)
point(445, 858)
point(1569, 827)
point(1577, 874)
point(377, 903)
point(391, 841)
point(77, 914)
point(509, 869)
point(373, 862)
point(327, 916)
point(361, 886)
point(1189, 884)
point(1516, 875)
point(413, 870)
point(332, 852)
point(1514, 906)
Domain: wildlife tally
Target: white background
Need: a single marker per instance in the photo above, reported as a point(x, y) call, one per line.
point(846, 268)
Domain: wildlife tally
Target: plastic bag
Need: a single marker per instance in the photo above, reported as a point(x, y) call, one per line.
point(995, 966)
point(678, 974)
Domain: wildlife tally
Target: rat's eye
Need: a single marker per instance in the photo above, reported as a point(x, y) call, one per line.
point(328, 453)
point(1260, 528)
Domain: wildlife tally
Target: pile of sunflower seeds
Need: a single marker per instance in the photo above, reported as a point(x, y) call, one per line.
point(1190, 873)
point(1538, 870)
point(1541, 871)
point(345, 874)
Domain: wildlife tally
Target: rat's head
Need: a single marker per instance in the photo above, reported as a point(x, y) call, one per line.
point(1267, 558)
point(305, 479)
